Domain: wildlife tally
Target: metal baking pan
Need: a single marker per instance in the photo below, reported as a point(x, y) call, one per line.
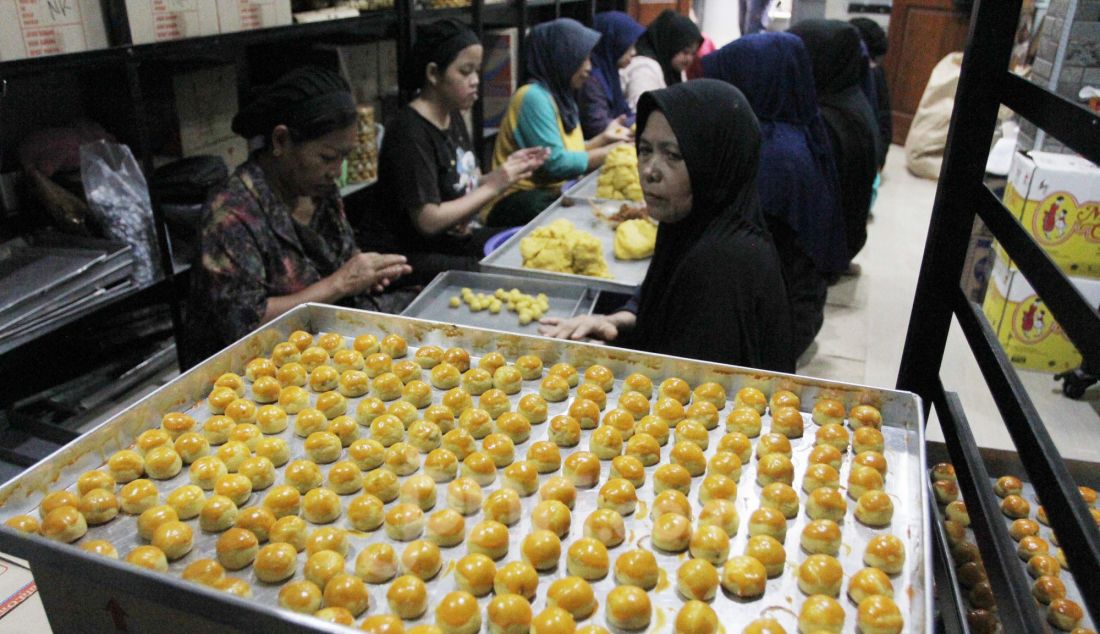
point(110, 591)
point(626, 276)
point(81, 304)
point(32, 272)
point(585, 189)
point(566, 300)
point(100, 275)
point(1007, 463)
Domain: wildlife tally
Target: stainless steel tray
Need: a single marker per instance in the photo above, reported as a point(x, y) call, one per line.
point(147, 599)
point(35, 271)
point(627, 276)
point(585, 189)
point(566, 300)
point(1073, 591)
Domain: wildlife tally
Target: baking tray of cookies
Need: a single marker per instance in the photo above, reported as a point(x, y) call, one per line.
point(436, 301)
point(149, 597)
point(979, 614)
point(626, 275)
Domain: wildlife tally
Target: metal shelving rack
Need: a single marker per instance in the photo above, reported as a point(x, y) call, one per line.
point(985, 83)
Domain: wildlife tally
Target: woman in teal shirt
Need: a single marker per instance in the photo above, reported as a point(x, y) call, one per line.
point(544, 113)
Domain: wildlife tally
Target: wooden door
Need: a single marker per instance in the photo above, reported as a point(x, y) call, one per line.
point(922, 32)
point(645, 11)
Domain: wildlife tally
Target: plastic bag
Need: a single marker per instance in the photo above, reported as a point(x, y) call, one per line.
point(118, 199)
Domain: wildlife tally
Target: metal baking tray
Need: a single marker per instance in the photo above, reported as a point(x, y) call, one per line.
point(146, 600)
point(1004, 464)
point(626, 276)
point(100, 275)
point(585, 189)
point(32, 272)
point(566, 300)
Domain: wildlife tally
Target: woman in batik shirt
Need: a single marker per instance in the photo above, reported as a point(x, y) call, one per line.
point(275, 235)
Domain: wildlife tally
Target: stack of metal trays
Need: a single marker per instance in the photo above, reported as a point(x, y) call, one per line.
point(52, 278)
point(434, 302)
point(82, 591)
point(626, 275)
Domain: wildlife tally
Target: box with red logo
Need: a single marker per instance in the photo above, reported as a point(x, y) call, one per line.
point(33, 28)
point(1024, 324)
point(1056, 197)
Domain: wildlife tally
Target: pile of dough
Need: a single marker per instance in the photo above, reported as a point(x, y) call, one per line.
point(562, 248)
point(618, 178)
point(635, 239)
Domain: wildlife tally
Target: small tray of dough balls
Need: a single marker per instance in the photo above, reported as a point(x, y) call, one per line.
point(1057, 595)
point(375, 470)
point(619, 276)
point(499, 302)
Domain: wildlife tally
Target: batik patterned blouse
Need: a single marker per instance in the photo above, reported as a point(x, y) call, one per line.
point(252, 248)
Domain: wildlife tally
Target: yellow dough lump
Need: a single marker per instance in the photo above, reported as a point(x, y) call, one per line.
point(561, 247)
point(635, 239)
point(618, 178)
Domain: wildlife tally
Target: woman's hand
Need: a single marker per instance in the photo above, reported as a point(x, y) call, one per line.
point(521, 164)
point(577, 328)
point(617, 132)
point(368, 272)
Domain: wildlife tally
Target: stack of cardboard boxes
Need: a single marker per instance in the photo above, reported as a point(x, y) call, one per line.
point(1056, 197)
point(34, 28)
point(164, 20)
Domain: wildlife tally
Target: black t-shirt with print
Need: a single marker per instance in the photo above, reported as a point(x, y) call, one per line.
point(421, 164)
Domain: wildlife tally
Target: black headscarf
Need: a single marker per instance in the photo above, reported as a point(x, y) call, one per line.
point(438, 42)
point(555, 51)
point(839, 72)
point(310, 101)
point(666, 36)
point(873, 35)
point(714, 290)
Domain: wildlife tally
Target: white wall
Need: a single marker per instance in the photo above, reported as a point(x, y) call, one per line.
point(720, 21)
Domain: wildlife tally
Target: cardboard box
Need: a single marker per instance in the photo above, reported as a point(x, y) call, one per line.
point(359, 67)
point(163, 20)
point(499, 75)
point(34, 28)
point(387, 68)
point(243, 15)
point(977, 267)
point(1056, 197)
point(1024, 325)
point(206, 102)
point(233, 151)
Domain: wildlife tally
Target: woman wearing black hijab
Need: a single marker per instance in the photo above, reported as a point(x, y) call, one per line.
point(664, 52)
point(714, 290)
point(839, 72)
point(874, 38)
point(275, 235)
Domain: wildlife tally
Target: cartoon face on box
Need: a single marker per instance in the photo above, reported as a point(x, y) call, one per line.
point(1032, 322)
point(1059, 218)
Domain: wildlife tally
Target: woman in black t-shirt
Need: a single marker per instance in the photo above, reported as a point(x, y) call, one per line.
point(430, 180)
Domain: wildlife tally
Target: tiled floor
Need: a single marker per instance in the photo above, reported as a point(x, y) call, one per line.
point(867, 317)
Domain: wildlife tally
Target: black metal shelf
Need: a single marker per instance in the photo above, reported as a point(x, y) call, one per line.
point(984, 85)
point(368, 24)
